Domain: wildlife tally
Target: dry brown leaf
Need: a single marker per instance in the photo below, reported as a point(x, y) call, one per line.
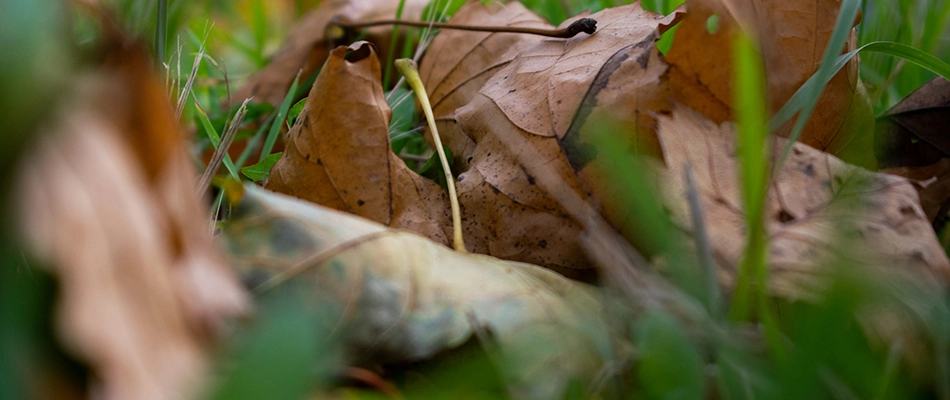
point(528, 125)
point(911, 141)
point(307, 46)
point(933, 184)
point(913, 132)
point(107, 199)
point(338, 153)
point(816, 206)
point(792, 36)
point(458, 63)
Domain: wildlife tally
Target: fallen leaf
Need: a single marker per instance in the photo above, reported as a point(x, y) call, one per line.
point(403, 298)
point(912, 133)
point(792, 36)
point(458, 63)
point(816, 206)
point(933, 185)
point(338, 152)
point(308, 46)
point(529, 123)
point(910, 141)
point(107, 199)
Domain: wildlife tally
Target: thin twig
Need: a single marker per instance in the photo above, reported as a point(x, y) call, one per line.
point(586, 25)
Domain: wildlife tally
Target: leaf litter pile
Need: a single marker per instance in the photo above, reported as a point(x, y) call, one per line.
point(604, 220)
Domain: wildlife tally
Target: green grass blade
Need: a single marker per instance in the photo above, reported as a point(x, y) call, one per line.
point(215, 140)
point(279, 120)
point(254, 141)
point(161, 31)
point(750, 101)
point(802, 97)
point(846, 15)
point(713, 297)
point(392, 46)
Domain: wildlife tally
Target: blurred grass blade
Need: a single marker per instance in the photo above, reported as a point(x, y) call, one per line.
point(282, 356)
point(713, 297)
point(750, 101)
point(161, 31)
point(669, 364)
point(279, 120)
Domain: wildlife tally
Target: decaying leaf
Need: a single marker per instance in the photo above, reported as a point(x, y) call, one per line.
point(458, 63)
point(792, 36)
point(817, 206)
point(530, 119)
point(401, 297)
point(107, 200)
point(913, 132)
point(338, 153)
point(506, 213)
point(308, 46)
point(911, 141)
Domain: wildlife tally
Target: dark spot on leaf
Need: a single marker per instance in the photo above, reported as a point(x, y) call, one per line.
point(530, 178)
point(643, 59)
point(908, 210)
point(307, 156)
point(319, 162)
point(809, 170)
point(512, 90)
point(360, 202)
point(543, 243)
point(784, 216)
point(290, 237)
point(470, 159)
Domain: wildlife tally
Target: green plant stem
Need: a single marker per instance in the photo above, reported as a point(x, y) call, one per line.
point(392, 45)
point(408, 69)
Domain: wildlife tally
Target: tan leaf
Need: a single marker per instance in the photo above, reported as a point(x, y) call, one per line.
point(539, 91)
point(403, 298)
point(604, 72)
point(458, 63)
point(107, 199)
point(308, 46)
point(792, 36)
point(816, 205)
point(338, 153)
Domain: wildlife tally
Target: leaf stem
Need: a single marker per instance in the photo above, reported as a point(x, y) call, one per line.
point(586, 25)
point(408, 68)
